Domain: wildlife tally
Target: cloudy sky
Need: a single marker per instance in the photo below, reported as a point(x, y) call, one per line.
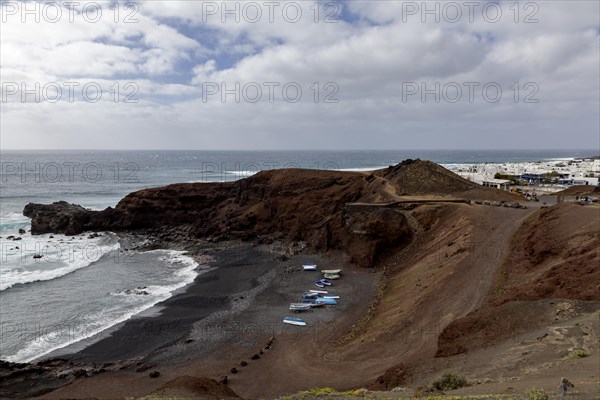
point(300, 75)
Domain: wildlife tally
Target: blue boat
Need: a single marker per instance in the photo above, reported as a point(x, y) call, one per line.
point(329, 302)
point(320, 284)
point(294, 321)
point(324, 282)
point(313, 303)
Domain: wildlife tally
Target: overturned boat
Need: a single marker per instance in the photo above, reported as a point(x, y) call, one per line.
point(294, 321)
point(331, 271)
point(299, 307)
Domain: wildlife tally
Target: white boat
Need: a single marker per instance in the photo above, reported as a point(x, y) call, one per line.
point(309, 267)
point(299, 307)
point(294, 321)
point(330, 296)
point(312, 303)
point(310, 295)
point(331, 276)
point(332, 271)
point(318, 291)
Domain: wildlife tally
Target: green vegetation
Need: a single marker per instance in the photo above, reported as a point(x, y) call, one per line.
point(324, 391)
point(318, 394)
point(317, 391)
point(537, 394)
point(448, 381)
point(550, 177)
point(578, 353)
point(468, 397)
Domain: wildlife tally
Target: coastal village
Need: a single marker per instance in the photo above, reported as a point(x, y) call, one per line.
point(543, 176)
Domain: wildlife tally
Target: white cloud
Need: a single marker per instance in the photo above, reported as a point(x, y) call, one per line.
point(78, 48)
point(175, 47)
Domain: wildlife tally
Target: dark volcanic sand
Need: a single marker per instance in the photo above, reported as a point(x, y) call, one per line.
point(227, 315)
point(235, 270)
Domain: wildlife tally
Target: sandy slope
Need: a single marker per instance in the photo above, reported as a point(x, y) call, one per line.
point(449, 271)
point(445, 273)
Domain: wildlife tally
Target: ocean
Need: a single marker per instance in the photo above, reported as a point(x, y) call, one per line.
point(85, 284)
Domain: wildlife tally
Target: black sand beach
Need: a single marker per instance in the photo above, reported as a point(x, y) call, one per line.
point(235, 271)
point(246, 293)
point(226, 316)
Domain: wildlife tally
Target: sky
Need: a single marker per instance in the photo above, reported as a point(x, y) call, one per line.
point(300, 75)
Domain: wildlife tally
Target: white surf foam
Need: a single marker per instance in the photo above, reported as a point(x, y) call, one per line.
point(59, 257)
point(100, 321)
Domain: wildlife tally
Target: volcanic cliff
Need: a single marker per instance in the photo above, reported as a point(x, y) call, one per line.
point(318, 207)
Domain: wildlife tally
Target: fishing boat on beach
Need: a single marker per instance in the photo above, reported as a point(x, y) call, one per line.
point(309, 267)
point(318, 291)
point(329, 302)
point(330, 296)
point(313, 303)
point(321, 283)
point(331, 276)
point(299, 307)
point(310, 295)
point(331, 271)
point(294, 321)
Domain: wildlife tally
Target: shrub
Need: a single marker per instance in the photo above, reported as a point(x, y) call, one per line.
point(356, 392)
point(318, 391)
point(579, 353)
point(448, 381)
point(537, 394)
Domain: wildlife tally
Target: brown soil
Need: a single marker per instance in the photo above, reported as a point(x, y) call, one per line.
point(580, 190)
point(196, 388)
point(554, 255)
